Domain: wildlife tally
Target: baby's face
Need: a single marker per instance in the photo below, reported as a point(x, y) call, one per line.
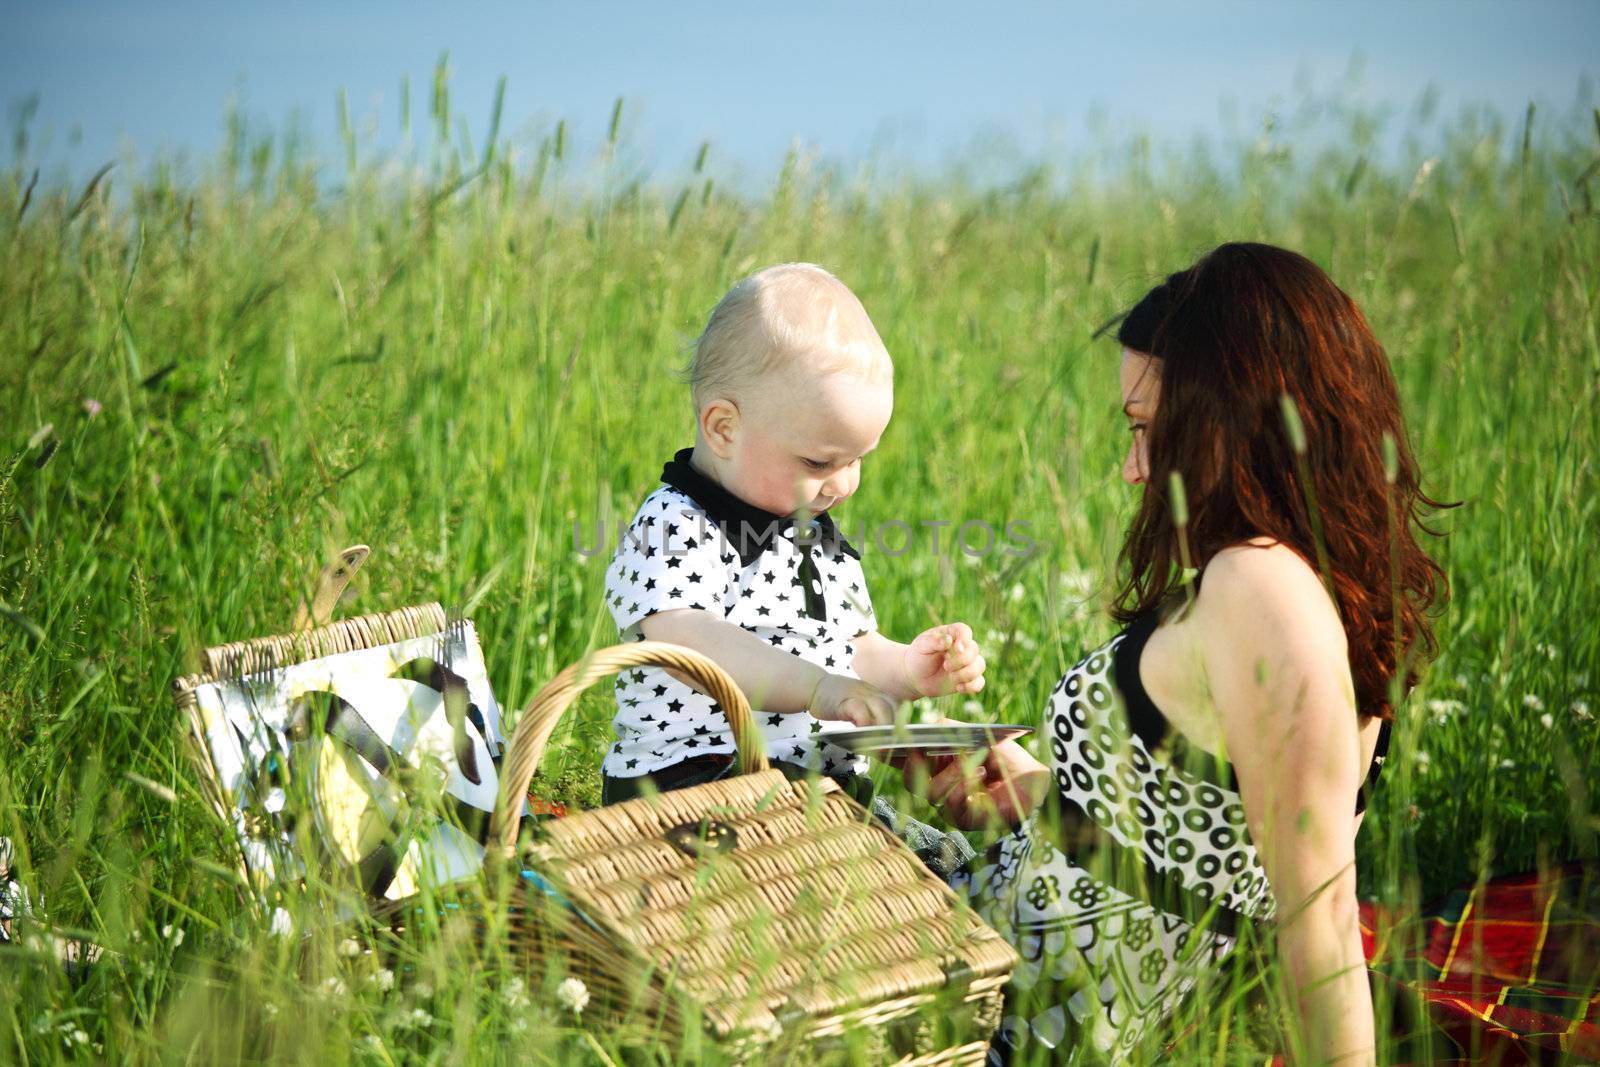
point(801, 439)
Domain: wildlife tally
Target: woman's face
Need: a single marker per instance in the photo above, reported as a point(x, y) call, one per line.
point(1141, 388)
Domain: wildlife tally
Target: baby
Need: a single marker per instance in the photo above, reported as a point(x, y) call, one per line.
point(736, 555)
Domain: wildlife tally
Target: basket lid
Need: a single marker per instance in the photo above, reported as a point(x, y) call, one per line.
point(764, 900)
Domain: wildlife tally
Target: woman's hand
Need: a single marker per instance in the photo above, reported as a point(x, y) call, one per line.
point(852, 700)
point(996, 793)
point(944, 660)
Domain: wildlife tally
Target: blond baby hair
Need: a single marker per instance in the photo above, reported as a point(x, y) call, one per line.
point(790, 315)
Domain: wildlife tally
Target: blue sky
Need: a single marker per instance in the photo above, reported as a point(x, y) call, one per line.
point(925, 83)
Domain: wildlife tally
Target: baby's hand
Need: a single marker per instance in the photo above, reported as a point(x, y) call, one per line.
point(944, 660)
point(852, 700)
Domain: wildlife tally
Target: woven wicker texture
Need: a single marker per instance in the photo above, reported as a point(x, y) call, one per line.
point(240, 658)
point(790, 913)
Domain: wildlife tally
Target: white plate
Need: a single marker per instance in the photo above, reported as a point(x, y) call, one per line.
point(929, 739)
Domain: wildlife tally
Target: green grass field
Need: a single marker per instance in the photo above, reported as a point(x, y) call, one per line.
point(215, 376)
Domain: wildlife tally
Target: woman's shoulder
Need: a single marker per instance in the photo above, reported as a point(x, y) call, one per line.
point(1262, 592)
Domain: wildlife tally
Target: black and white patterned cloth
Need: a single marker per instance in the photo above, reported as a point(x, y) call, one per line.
point(693, 544)
point(14, 901)
point(1135, 877)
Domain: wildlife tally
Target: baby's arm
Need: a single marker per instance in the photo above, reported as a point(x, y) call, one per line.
point(773, 680)
point(939, 661)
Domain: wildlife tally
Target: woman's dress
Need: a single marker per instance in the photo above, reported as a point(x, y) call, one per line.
point(1135, 877)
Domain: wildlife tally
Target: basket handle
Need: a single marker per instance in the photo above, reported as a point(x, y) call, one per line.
point(329, 588)
point(538, 720)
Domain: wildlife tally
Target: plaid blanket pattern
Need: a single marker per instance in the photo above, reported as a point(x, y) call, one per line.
point(1508, 970)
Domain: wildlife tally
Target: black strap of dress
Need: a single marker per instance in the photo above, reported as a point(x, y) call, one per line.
point(1150, 725)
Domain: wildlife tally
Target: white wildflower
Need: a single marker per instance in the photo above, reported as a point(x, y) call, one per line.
point(767, 1031)
point(1017, 592)
point(573, 995)
point(1547, 720)
point(173, 934)
point(281, 925)
point(270, 1010)
point(333, 985)
point(422, 990)
point(1531, 700)
point(1547, 651)
point(1080, 583)
point(1461, 681)
point(383, 979)
point(1442, 708)
point(1423, 760)
point(419, 1018)
point(76, 1036)
point(374, 1042)
point(515, 993)
point(1507, 764)
point(349, 948)
point(1077, 589)
point(1580, 711)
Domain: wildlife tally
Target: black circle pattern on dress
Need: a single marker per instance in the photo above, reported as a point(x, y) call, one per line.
point(674, 556)
point(1129, 962)
point(1142, 801)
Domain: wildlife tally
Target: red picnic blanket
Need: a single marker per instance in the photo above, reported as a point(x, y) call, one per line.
point(1509, 970)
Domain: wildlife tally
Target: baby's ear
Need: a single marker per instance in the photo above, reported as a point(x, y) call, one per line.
point(719, 425)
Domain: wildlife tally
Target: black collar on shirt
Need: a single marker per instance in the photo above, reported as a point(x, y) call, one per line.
point(749, 529)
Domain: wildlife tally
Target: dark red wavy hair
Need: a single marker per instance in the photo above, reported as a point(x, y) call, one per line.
point(1246, 326)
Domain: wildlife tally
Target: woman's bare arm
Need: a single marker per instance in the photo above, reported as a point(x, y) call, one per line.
point(1275, 659)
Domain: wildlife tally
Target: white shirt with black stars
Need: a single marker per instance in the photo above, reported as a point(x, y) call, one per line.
point(692, 544)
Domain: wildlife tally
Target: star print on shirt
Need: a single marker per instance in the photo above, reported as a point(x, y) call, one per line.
point(683, 555)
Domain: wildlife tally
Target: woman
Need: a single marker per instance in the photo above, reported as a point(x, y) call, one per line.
point(1207, 765)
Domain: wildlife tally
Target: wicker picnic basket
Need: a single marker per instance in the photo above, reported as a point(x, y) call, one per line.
point(286, 787)
point(775, 917)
